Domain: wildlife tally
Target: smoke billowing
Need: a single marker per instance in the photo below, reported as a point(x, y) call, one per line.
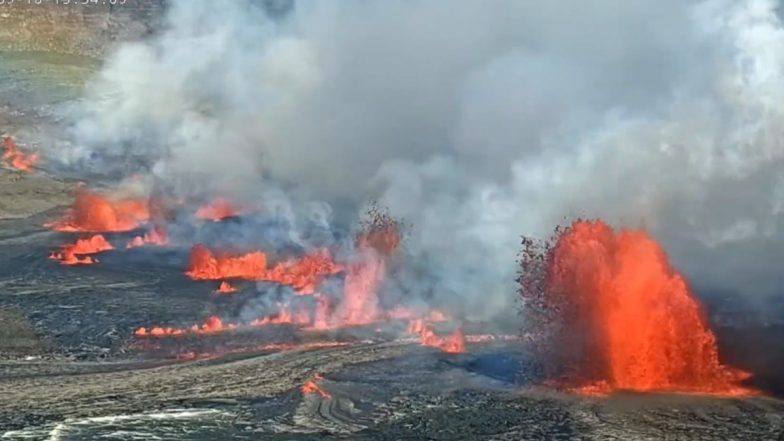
point(475, 121)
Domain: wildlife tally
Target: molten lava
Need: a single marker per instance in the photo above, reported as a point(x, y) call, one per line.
point(16, 158)
point(95, 213)
point(303, 274)
point(379, 239)
point(70, 254)
point(204, 265)
point(313, 387)
point(158, 331)
point(285, 316)
point(360, 300)
point(455, 343)
point(212, 325)
point(217, 210)
point(226, 288)
point(629, 317)
point(157, 236)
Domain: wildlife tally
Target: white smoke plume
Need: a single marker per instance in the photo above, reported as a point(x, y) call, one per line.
point(475, 121)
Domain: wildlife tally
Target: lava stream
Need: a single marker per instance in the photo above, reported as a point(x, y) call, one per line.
point(312, 386)
point(158, 331)
point(70, 254)
point(455, 343)
point(92, 212)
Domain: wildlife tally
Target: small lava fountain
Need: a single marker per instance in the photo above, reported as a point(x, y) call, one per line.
point(92, 212)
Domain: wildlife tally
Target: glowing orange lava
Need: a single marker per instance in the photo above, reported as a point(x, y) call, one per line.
point(213, 325)
point(379, 239)
point(285, 316)
point(303, 274)
point(204, 265)
point(360, 299)
point(157, 236)
point(455, 343)
point(226, 288)
point(637, 325)
point(313, 387)
point(95, 213)
point(78, 253)
point(217, 210)
point(16, 158)
point(158, 331)
point(364, 273)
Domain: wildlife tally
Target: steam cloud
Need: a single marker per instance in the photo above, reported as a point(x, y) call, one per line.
point(475, 121)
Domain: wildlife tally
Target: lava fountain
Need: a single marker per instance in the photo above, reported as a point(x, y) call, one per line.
point(70, 254)
point(621, 316)
point(157, 236)
point(92, 212)
point(16, 158)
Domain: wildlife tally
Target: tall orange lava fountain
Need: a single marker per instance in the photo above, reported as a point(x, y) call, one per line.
point(628, 316)
point(378, 240)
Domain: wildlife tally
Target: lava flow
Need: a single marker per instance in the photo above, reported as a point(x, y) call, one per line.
point(303, 274)
point(70, 254)
point(626, 316)
point(158, 331)
point(455, 343)
point(364, 274)
point(16, 158)
point(212, 325)
point(285, 316)
point(217, 211)
point(92, 212)
point(312, 386)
